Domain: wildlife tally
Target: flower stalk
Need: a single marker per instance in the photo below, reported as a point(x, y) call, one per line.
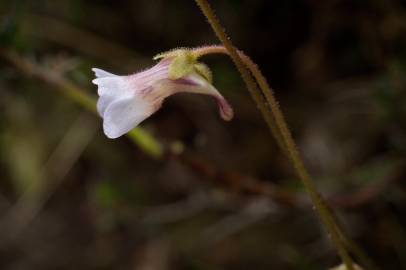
point(281, 128)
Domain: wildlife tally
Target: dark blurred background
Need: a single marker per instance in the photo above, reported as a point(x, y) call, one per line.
point(223, 196)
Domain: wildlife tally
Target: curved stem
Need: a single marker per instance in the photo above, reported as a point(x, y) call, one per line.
point(286, 136)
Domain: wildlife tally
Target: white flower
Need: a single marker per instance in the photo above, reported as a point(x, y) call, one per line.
point(125, 101)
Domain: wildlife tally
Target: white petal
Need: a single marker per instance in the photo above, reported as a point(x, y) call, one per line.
point(102, 73)
point(123, 115)
point(103, 102)
point(108, 85)
point(118, 86)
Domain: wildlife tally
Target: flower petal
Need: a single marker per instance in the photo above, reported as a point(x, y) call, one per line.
point(118, 87)
point(102, 73)
point(125, 114)
point(103, 102)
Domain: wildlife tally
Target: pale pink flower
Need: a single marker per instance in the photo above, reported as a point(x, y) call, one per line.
point(125, 101)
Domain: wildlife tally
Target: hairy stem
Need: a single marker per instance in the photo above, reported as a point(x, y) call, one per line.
point(256, 72)
point(325, 216)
